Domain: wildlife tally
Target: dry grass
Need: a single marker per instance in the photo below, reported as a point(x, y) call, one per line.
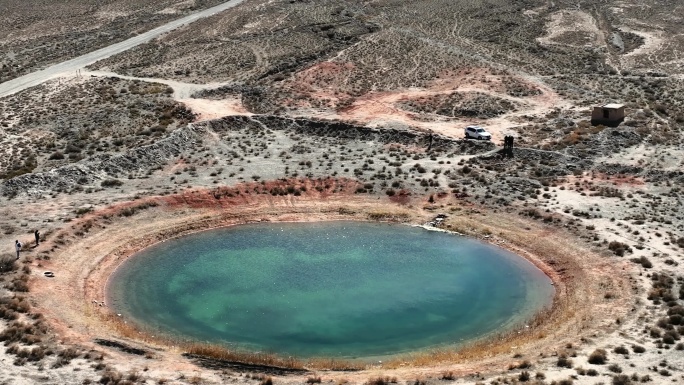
point(386, 380)
point(8, 263)
point(388, 215)
point(218, 352)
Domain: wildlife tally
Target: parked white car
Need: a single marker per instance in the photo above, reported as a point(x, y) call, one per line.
point(477, 132)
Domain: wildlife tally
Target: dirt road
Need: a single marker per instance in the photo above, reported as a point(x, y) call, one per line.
point(33, 79)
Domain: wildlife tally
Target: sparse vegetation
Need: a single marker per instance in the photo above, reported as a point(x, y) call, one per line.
point(598, 357)
point(416, 72)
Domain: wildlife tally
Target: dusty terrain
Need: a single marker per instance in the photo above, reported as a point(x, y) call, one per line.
point(33, 35)
point(302, 110)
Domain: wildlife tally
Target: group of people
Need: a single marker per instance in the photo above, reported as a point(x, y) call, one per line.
point(18, 245)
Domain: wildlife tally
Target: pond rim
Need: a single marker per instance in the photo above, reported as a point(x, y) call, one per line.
point(537, 318)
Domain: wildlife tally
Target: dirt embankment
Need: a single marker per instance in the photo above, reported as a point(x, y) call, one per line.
point(589, 295)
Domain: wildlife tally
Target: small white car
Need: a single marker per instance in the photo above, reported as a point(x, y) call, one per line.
point(477, 132)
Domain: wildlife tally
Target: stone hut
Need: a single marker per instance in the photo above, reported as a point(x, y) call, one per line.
point(608, 114)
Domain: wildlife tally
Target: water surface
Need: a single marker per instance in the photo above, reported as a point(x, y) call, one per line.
point(344, 289)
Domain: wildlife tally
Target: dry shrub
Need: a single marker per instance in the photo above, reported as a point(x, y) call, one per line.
point(69, 353)
point(621, 350)
point(16, 304)
point(381, 380)
point(564, 361)
point(8, 262)
point(598, 357)
point(37, 353)
point(221, 353)
point(621, 379)
point(133, 376)
point(111, 376)
point(526, 364)
point(21, 332)
point(24, 355)
point(619, 248)
point(8, 314)
point(19, 284)
point(448, 376)
point(524, 376)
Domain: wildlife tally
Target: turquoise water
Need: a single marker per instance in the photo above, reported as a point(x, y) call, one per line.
point(342, 289)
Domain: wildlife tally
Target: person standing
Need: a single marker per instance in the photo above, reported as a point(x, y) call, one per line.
point(37, 235)
point(17, 245)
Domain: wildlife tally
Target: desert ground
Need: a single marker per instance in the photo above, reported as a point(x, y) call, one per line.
point(296, 110)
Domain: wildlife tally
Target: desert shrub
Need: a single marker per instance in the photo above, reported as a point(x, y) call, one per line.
point(670, 337)
point(8, 262)
point(111, 183)
point(20, 332)
point(592, 372)
point(34, 354)
point(313, 380)
point(621, 379)
point(133, 376)
point(37, 354)
point(266, 381)
point(619, 248)
point(132, 210)
point(110, 376)
point(448, 376)
point(564, 361)
point(655, 332)
point(83, 210)
point(19, 284)
point(69, 353)
point(598, 357)
point(524, 376)
point(17, 304)
point(8, 314)
point(643, 261)
point(57, 155)
point(615, 368)
point(638, 349)
point(621, 350)
point(381, 381)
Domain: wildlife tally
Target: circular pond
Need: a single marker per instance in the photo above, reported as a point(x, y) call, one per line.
point(341, 289)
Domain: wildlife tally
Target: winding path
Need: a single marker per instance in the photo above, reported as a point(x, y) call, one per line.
point(35, 78)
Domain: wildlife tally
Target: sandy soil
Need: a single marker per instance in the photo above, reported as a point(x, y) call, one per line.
point(207, 109)
point(574, 28)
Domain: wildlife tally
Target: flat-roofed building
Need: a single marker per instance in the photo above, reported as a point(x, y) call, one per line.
point(611, 114)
